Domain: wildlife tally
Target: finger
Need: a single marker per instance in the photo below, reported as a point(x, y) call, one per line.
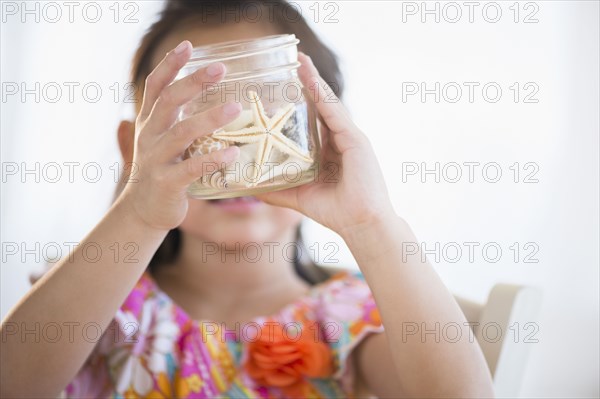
point(328, 105)
point(344, 134)
point(191, 169)
point(285, 198)
point(166, 108)
point(327, 144)
point(182, 134)
point(163, 74)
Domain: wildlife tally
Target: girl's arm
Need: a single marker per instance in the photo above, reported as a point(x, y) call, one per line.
point(421, 318)
point(76, 291)
point(409, 294)
point(73, 294)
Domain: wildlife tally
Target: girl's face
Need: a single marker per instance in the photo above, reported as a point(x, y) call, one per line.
point(222, 222)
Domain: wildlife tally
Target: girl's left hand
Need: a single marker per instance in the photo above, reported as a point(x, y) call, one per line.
point(350, 191)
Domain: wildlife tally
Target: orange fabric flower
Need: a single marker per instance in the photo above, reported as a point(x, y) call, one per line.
point(282, 357)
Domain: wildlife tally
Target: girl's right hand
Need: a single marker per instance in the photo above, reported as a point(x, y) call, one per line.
point(156, 192)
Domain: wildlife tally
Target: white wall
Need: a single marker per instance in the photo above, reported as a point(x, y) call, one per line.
point(558, 134)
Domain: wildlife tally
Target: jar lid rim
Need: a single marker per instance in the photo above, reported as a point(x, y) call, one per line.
point(201, 53)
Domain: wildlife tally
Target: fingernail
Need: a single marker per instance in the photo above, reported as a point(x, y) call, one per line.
point(231, 108)
point(215, 69)
point(182, 47)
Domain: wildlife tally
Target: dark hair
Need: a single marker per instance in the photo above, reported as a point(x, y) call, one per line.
point(284, 16)
point(287, 19)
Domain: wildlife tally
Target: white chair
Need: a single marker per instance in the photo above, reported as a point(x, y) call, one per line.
point(505, 327)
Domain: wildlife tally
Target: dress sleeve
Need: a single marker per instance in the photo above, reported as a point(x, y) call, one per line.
point(349, 315)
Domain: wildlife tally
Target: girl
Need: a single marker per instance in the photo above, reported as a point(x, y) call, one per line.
point(189, 324)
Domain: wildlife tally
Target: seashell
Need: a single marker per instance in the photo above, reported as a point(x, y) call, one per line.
point(205, 145)
point(214, 180)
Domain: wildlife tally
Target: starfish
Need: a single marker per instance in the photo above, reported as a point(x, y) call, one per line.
point(267, 133)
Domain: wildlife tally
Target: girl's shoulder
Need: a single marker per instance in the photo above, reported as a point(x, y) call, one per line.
point(346, 300)
point(344, 286)
point(344, 308)
point(347, 313)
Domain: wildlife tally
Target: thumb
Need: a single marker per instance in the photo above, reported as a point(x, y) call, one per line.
point(287, 198)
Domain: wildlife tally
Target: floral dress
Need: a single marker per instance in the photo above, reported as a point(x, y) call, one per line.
point(153, 349)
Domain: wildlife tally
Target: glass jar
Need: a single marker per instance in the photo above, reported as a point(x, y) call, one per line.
point(276, 130)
